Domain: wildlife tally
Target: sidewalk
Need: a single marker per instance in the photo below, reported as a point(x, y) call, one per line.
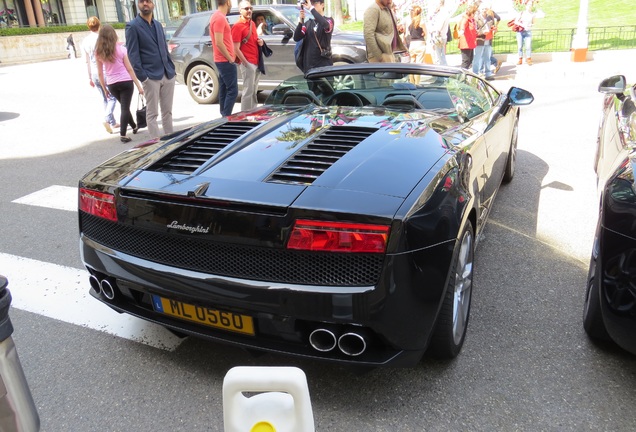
point(550, 67)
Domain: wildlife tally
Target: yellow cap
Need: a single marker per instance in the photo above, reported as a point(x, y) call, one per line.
point(263, 426)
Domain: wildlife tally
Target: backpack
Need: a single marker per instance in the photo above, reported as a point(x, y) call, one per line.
point(298, 55)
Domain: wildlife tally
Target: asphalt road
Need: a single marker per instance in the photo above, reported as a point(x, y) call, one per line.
point(526, 364)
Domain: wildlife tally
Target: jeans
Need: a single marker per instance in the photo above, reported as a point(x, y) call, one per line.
point(524, 38)
point(228, 87)
point(439, 55)
point(251, 75)
point(478, 58)
point(486, 55)
point(123, 92)
point(159, 94)
point(109, 101)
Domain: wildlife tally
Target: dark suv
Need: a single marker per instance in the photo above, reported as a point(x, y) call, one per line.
point(191, 50)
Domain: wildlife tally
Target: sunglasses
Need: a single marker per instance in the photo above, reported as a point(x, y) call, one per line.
point(247, 8)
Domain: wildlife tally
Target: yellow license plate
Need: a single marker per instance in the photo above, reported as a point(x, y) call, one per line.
point(206, 316)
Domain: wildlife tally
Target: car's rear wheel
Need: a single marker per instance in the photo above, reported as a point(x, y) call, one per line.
point(509, 173)
point(343, 82)
point(592, 318)
point(450, 330)
point(203, 84)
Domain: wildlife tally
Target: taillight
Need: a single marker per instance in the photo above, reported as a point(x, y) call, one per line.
point(172, 47)
point(338, 237)
point(98, 204)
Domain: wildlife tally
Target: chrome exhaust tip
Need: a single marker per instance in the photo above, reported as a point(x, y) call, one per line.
point(107, 289)
point(352, 344)
point(95, 284)
point(322, 340)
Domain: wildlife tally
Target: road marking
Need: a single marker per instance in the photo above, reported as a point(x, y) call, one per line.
point(61, 293)
point(55, 197)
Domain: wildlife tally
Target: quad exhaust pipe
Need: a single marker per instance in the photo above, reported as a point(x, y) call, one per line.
point(350, 343)
point(323, 340)
point(106, 286)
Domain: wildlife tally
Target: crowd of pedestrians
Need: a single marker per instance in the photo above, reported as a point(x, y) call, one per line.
point(389, 37)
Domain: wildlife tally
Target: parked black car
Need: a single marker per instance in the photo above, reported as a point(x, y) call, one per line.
point(331, 224)
point(610, 301)
point(191, 50)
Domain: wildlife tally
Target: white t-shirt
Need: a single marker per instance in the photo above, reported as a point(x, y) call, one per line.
point(88, 47)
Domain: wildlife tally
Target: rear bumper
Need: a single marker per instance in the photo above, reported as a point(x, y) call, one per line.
point(395, 317)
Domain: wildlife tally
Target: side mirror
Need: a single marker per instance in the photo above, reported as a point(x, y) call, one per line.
point(518, 96)
point(282, 30)
point(614, 85)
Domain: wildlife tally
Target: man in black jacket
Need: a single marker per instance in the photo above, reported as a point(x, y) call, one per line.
point(316, 35)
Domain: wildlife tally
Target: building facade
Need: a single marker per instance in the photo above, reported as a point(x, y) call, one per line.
point(42, 13)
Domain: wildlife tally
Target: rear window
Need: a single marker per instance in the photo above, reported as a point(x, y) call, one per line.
point(195, 27)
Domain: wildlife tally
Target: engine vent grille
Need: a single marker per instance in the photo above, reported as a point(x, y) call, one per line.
point(235, 260)
point(187, 158)
point(316, 157)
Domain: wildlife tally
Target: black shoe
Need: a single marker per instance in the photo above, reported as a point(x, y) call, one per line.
point(136, 129)
point(125, 139)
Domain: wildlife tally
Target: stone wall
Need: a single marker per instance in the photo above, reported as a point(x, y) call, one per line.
point(36, 48)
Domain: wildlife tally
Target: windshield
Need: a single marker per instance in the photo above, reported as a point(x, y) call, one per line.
point(462, 95)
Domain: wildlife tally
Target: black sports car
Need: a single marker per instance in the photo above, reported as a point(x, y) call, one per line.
point(610, 302)
point(327, 223)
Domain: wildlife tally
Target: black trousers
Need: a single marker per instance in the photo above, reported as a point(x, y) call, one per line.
point(123, 92)
point(467, 58)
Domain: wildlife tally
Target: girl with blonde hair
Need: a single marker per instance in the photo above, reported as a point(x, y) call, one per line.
point(416, 34)
point(112, 61)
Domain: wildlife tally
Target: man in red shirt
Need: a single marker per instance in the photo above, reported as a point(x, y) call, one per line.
point(224, 56)
point(246, 43)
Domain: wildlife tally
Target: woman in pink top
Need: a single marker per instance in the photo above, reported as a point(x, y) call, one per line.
point(112, 61)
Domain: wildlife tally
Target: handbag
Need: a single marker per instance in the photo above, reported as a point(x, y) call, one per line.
point(324, 52)
point(267, 51)
point(514, 26)
point(141, 112)
point(263, 51)
point(456, 32)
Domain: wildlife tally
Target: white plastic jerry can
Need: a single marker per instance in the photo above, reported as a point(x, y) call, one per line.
point(281, 405)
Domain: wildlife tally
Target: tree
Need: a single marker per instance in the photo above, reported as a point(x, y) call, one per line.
point(337, 13)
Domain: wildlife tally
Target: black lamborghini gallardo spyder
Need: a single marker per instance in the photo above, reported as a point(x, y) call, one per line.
point(337, 221)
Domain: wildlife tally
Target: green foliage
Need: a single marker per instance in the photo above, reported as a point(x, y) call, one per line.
point(22, 31)
point(561, 14)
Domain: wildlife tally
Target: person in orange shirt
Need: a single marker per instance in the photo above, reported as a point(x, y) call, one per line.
point(467, 36)
point(224, 56)
point(246, 43)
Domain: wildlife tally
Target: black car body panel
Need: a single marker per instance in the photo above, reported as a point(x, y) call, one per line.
point(613, 260)
point(206, 218)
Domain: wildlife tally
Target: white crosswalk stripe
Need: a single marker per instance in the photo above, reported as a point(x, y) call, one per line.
point(55, 197)
point(61, 292)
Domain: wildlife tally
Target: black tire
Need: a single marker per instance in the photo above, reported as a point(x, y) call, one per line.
point(509, 173)
point(452, 322)
point(592, 318)
point(203, 84)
